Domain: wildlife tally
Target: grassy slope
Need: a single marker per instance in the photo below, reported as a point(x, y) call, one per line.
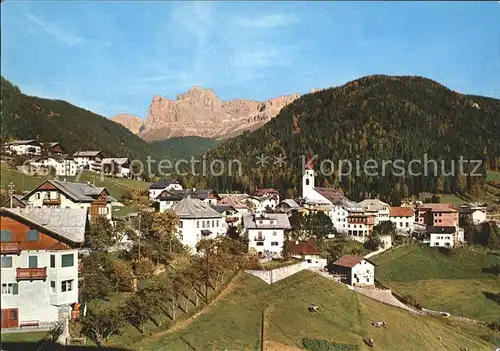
point(115, 186)
point(234, 321)
point(454, 283)
point(493, 175)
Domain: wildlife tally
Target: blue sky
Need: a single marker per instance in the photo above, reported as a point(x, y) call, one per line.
point(113, 57)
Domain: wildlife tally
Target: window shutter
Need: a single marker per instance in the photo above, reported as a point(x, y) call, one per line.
point(15, 289)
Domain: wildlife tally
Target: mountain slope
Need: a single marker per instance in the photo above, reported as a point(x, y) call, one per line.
point(184, 147)
point(379, 117)
point(30, 117)
point(199, 112)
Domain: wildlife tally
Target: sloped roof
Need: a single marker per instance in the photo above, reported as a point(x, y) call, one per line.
point(86, 153)
point(373, 204)
point(437, 207)
point(291, 203)
point(18, 198)
point(162, 184)
point(23, 142)
point(229, 201)
point(50, 143)
point(251, 221)
point(223, 208)
point(118, 161)
point(302, 248)
point(349, 261)
point(201, 194)
point(264, 191)
point(82, 192)
point(441, 230)
point(190, 207)
point(69, 223)
point(401, 212)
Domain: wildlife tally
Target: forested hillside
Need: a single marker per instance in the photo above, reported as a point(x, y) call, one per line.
point(30, 117)
point(379, 117)
point(184, 147)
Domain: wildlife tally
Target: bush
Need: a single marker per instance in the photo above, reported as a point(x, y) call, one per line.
point(410, 300)
point(325, 345)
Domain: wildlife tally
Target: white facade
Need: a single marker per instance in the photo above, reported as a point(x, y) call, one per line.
point(363, 273)
point(24, 149)
point(66, 167)
point(478, 216)
point(190, 230)
point(40, 300)
point(93, 163)
point(42, 198)
point(442, 240)
point(314, 262)
point(403, 224)
point(266, 241)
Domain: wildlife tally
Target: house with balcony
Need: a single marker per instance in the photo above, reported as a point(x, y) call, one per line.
point(267, 193)
point(197, 221)
point(232, 210)
point(437, 215)
point(90, 160)
point(403, 218)
point(167, 184)
point(355, 270)
point(62, 166)
point(379, 208)
point(119, 167)
point(168, 198)
point(39, 264)
point(61, 194)
point(266, 233)
point(444, 236)
point(23, 147)
point(360, 225)
point(52, 148)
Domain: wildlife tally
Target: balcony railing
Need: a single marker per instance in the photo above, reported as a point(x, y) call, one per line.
point(259, 238)
point(31, 273)
point(12, 247)
point(52, 201)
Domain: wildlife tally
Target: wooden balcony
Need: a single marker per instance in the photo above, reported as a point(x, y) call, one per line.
point(31, 273)
point(52, 202)
point(10, 247)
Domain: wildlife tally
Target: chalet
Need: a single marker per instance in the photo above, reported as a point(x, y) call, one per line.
point(403, 218)
point(355, 270)
point(197, 220)
point(233, 208)
point(168, 198)
point(471, 214)
point(23, 147)
point(360, 225)
point(88, 160)
point(263, 203)
point(15, 201)
point(444, 236)
point(267, 192)
point(39, 264)
point(58, 194)
point(437, 215)
point(119, 167)
point(62, 166)
point(157, 187)
point(307, 251)
point(52, 148)
point(229, 214)
point(376, 207)
point(266, 232)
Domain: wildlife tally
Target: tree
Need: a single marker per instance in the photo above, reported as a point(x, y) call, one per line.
point(102, 234)
point(139, 308)
point(121, 275)
point(96, 284)
point(101, 322)
point(385, 228)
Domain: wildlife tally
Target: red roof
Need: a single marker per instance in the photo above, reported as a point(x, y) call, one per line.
point(302, 248)
point(264, 191)
point(349, 261)
point(437, 207)
point(229, 201)
point(401, 212)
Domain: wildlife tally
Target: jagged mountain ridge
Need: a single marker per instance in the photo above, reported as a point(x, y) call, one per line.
point(199, 112)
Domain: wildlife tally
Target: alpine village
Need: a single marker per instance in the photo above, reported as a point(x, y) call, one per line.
point(230, 225)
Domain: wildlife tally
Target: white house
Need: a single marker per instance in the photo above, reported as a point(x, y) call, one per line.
point(307, 251)
point(169, 198)
point(39, 264)
point(156, 188)
point(197, 221)
point(116, 166)
point(261, 203)
point(377, 207)
point(63, 166)
point(23, 147)
point(266, 233)
point(403, 218)
point(88, 159)
point(61, 194)
point(474, 215)
point(234, 217)
point(268, 193)
point(355, 270)
point(444, 236)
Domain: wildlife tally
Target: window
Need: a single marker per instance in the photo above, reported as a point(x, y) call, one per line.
point(197, 224)
point(217, 223)
point(180, 236)
point(203, 224)
point(32, 261)
point(53, 286)
point(6, 261)
point(10, 289)
point(260, 243)
point(213, 223)
point(52, 261)
point(37, 196)
point(274, 243)
point(307, 181)
point(67, 260)
point(32, 235)
point(180, 224)
point(13, 315)
point(67, 285)
point(5, 235)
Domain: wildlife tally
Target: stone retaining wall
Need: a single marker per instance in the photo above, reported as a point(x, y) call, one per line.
point(274, 275)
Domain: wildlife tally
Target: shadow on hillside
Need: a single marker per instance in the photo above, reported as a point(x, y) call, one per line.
point(492, 296)
point(495, 270)
point(34, 346)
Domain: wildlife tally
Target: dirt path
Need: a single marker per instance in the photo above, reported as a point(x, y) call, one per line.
point(184, 323)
